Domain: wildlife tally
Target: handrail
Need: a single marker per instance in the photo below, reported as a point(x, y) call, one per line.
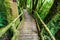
point(3, 30)
point(45, 26)
point(16, 32)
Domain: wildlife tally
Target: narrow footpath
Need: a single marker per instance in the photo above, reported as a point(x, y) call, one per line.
point(28, 29)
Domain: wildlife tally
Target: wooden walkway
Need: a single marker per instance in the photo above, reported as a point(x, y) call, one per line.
point(28, 30)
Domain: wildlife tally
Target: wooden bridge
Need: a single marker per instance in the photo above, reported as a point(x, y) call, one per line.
point(28, 28)
point(21, 25)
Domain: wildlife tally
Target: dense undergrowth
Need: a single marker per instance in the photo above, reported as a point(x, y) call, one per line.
point(48, 10)
point(50, 14)
point(4, 10)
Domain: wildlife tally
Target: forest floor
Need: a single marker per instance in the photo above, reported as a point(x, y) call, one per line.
point(28, 29)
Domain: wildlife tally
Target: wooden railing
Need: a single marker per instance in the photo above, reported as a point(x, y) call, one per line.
point(14, 29)
point(12, 26)
point(40, 22)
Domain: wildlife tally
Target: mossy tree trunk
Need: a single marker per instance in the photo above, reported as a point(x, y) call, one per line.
point(13, 13)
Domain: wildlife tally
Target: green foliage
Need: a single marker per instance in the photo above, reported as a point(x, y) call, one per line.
point(29, 3)
point(4, 6)
point(43, 8)
point(23, 3)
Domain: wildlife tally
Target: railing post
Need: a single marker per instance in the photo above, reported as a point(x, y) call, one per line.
point(14, 31)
